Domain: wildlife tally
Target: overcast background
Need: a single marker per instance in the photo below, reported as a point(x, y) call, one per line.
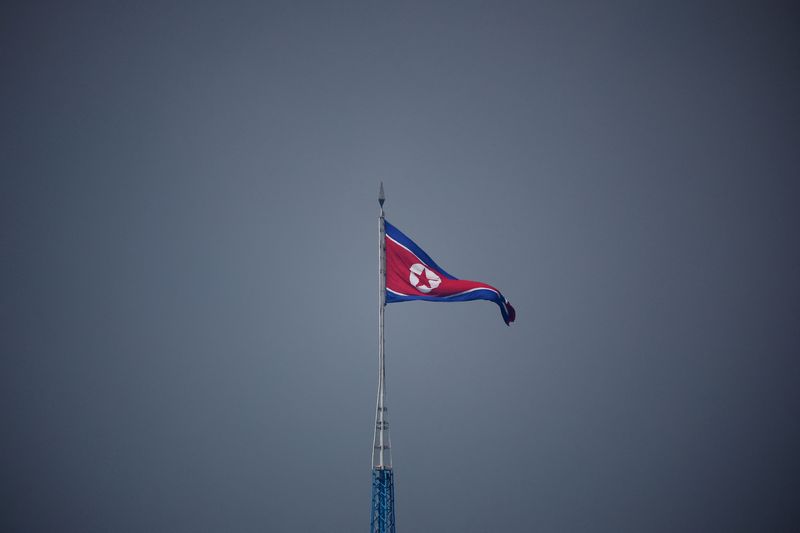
point(188, 224)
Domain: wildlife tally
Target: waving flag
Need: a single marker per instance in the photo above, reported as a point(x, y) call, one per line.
point(411, 274)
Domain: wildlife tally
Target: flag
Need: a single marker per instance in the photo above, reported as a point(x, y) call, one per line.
point(411, 274)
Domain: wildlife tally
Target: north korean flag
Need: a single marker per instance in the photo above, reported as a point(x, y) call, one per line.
point(411, 274)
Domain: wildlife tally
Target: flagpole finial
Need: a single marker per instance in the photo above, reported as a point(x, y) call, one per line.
point(381, 197)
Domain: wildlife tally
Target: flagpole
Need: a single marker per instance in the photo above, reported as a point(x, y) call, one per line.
point(381, 440)
point(382, 515)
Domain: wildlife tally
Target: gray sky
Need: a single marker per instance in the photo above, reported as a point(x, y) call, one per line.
point(188, 231)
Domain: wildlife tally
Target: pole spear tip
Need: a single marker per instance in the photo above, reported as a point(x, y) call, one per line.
point(381, 197)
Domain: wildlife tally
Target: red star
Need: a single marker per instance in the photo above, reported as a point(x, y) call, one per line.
point(423, 279)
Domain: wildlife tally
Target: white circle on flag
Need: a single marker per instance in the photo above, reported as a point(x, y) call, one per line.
point(422, 278)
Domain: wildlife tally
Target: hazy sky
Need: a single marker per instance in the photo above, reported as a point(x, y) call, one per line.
point(189, 265)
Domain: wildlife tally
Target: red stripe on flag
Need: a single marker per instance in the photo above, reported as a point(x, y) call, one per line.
point(399, 261)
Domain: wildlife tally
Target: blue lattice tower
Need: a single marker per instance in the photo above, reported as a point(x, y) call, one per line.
point(382, 514)
point(382, 518)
